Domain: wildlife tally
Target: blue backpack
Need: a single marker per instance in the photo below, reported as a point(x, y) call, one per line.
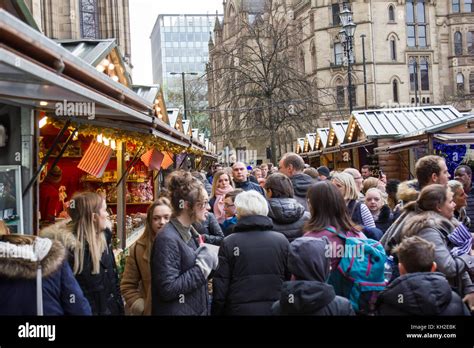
point(359, 276)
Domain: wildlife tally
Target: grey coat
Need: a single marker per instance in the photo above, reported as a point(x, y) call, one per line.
point(288, 217)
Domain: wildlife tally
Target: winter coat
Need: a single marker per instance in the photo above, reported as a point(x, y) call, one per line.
point(228, 225)
point(252, 268)
point(18, 285)
point(470, 209)
point(385, 219)
point(249, 185)
point(101, 290)
point(435, 229)
point(288, 217)
point(309, 293)
point(178, 285)
point(136, 278)
point(426, 293)
point(210, 229)
point(301, 184)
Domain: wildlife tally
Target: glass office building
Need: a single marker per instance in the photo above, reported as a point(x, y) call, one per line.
point(179, 43)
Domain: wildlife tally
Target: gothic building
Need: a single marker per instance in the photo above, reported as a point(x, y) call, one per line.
point(404, 52)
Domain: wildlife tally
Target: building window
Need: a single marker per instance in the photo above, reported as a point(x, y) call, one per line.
point(353, 95)
point(313, 57)
point(335, 15)
point(470, 42)
point(311, 22)
point(338, 54)
point(460, 83)
point(416, 23)
point(456, 7)
point(393, 49)
point(391, 14)
point(419, 74)
point(471, 82)
point(302, 67)
point(340, 97)
point(468, 6)
point(457, 43)
point(89, 21)
point(395, 91)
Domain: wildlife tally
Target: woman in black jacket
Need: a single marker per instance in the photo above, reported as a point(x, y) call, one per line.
point(179, 266)
point(88, 238)
point(287, 214)
point(252, 262)
point(309, 293)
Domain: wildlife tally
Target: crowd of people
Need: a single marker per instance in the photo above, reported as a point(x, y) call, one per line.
point(292, 240)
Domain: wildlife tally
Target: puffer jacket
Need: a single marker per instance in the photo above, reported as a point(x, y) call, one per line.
point(435, 228)
point(301, 184)
point(210, 229)
point(252, 268)
point(18, 284)
point(309, 294)
point(288, 217)
point(426, 293)
point(178, 285)
point(101, 290)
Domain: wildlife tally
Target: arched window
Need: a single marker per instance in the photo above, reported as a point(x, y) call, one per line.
point(340, 95)
point(338, 54)
point(395, 91)
point(313, 57)
point(470, 42)
point(457, 43)
point(456, 7)
point(391, 14)
point(460, 83)
point(424, 75)
point(393, 49)
point(471, 82)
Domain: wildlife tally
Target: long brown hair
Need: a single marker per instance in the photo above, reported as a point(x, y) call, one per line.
point(430, 197)
point(86, 230)
point(215, 181)
point(162, 201)
point(327, 208)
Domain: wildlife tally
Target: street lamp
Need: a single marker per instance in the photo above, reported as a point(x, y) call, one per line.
point(184, 88)
point(346, 36)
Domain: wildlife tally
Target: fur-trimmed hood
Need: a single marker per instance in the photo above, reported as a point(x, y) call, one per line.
point(61, 232)
point(428, 219)
point(18, 261)
point(408, 191)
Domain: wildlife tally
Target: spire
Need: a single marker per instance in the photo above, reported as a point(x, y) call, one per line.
point(217, 25)
point(211, 42)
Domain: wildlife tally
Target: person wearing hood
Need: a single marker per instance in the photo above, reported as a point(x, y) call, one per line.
point(20, 256)
point(88, 239)
point(287, 214)
point(423, 290)
point(252, 262)
point(292, 165)
point(308, 292)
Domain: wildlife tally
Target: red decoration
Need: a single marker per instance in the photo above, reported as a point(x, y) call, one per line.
point(153, 159)
point(95, 159)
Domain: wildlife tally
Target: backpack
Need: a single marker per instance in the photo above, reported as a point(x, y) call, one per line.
point(359, 276)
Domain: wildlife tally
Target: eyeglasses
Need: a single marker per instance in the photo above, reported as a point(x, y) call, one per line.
point(202, 205)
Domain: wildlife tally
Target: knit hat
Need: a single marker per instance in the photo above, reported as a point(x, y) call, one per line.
point(324, 171)
point(55, 174)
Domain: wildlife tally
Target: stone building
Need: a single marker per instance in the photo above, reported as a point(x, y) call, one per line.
point(416, 51)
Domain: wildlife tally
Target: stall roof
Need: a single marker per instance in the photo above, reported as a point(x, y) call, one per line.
point(337, 132)
point(90, 50)
point(309, 142)
point(322, 138)
point(462, 138)
point(402, 146)
point(380, 123)
point(299, 145)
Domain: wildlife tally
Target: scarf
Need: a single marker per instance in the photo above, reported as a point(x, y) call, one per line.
point(219, 203)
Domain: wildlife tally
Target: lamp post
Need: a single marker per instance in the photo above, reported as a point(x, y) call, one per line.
point(184, 89)
point(346, 35)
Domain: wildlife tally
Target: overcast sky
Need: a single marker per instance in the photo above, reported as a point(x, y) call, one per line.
point(143, 14)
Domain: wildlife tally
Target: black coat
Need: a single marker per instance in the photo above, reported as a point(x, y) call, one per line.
point(211, 230)
point(427, 293)
point(252, 267)
point(103, 289)
point(288, 217)
point(178, 284)
point(249, 185)
point(301, 184)
point(304, 297)
point(385, 218)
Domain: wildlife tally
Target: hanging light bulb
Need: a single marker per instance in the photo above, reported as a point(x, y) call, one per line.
point(105, 62)
point(43, 122)
point(76, 136)
point(99, 138)
point(113, 144)
point(100, 68)
point(111, 66)
point(115, 78)
point(106, 141)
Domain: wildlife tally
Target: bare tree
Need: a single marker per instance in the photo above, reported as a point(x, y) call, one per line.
point(259, 79)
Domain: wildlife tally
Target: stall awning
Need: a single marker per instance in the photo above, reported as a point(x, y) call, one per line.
point(332, 149)
point(356, 144)
point(402, 146)
point(311, 154)
point(460, 138)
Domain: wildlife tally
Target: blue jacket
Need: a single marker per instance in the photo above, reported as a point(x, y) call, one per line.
point(61, 292)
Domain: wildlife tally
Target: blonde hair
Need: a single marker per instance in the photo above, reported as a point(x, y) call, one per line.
point(215, 180)
point(86, 231)
point(350, 188)
point(382, 195)
point(4, 228)
point(369, 183)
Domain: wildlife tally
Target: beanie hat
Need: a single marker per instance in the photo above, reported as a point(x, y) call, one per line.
point(324, 171)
